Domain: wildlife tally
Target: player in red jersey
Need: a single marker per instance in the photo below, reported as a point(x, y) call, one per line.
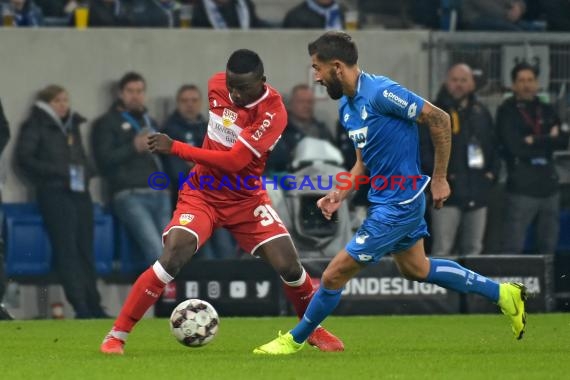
point(247, 118)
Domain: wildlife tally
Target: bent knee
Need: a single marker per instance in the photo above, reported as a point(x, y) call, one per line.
point(291, 273)
point(332, 279)
point(414, 273)
point(176, 254)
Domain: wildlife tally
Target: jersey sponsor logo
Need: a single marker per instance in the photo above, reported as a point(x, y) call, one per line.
point(395, 99)
point(412, 110)
point(358, 136)
point(363, 113)
point(185, 219)
point(265, 124)
point(229, 117)
point(221, 134)
point(225, 135)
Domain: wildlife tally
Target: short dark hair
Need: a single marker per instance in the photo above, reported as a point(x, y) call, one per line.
point(50, 92)
point(244, 61)
point(299, 87)
point(335, 45)
point(129, 77)
point(522, 66)
point(187, 87)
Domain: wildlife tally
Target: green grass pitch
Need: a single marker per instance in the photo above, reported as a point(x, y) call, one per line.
point(426, 347)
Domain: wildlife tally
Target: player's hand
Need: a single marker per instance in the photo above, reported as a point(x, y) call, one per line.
point(440, 191)
point(160, 143)
point(329, 204)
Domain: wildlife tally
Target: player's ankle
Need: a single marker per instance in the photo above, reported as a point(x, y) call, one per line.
point(119, 334)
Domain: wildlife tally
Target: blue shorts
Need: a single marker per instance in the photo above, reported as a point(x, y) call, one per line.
point(387, 229)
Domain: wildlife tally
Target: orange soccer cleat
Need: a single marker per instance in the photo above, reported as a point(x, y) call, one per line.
point(112, 345)
point(325, 341)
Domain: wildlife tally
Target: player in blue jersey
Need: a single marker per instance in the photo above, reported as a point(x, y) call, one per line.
point(380, 117)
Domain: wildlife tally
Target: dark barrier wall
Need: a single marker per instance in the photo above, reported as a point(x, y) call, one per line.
point(234, 287)
point(379, 289)
point(251, 287)
point(536, 272)
point(562, 281)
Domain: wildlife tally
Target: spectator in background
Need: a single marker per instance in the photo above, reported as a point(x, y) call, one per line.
point(51, 154)
point(187, 124)
point(301, 123)
point(315, 14)
point(26, 13)
point(108, 13)
point(473, 166)
point(226, 14)
point(429, 13)
point(4, 137)
point(530, 132)
point(301, 114)
point(154, 13)
point(119, 140)
point(499, 15)
point(52, 8)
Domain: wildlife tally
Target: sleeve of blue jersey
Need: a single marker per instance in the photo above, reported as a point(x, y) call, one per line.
point(396, 100)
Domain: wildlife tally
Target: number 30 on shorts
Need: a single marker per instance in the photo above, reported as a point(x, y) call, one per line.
point(267, 214)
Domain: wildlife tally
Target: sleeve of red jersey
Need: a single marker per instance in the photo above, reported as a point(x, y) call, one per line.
point(262, 135)
point(231, 161)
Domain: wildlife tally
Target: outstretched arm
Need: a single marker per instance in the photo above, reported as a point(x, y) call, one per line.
point(232, 160)
point(439, 126)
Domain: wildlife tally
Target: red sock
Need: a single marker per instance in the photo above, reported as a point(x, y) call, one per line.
point(299, 293)
point(144, 293)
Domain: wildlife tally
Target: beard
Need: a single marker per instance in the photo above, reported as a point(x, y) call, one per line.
point(334, 87)
point(135, 109)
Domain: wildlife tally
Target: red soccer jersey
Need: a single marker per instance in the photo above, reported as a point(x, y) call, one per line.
point(258, 126)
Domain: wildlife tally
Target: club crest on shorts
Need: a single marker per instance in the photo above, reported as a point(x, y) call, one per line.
point(185, 219)
point(361, 237)
point(229, 117)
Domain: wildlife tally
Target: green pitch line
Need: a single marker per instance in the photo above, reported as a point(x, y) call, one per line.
point(434, 347)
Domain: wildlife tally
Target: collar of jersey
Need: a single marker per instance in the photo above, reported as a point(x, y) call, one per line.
point(359, 82)
point(253, 104)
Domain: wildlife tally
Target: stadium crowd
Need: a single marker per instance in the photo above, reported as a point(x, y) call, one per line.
point(495, 15)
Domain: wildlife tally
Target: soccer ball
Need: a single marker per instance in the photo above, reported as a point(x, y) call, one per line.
point(194, 322)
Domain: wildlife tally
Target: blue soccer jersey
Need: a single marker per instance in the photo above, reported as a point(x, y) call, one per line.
point(380, 119)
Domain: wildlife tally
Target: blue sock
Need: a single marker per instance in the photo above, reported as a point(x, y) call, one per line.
point(323, 303)
point(450, 275)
